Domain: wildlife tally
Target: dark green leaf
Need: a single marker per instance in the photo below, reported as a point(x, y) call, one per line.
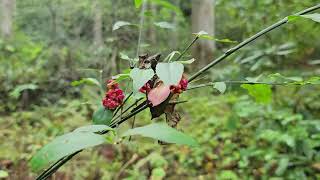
point(163, 132)
point(102, 116)
point(170, 73)
point(62, 146)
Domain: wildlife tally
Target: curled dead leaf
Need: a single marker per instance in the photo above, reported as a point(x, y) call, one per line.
point(159, 94)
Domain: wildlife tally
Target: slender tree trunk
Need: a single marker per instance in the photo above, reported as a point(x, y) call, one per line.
point(97, 27)
point(151, 30)
point(7, 8)
point(203, 20)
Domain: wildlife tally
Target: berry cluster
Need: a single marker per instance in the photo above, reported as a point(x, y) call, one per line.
point(182, 86)
point(114, 96)
point(146, 88)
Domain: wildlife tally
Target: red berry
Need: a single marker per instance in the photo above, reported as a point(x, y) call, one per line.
point(182, 86)
point(114, 96)
point(146, 88)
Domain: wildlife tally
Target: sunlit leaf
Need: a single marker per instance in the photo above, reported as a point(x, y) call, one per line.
point(315, 17)
point(170, 56)
point(16, 92)
point(261, 92)
point(87, 81)
point(170, 73)
point(121, 77)
point(3, 174)
point(102, 116)
point(138, 3)
point(278, 77)
point(163, 132)
point(62, 146)
point(220, 86)
point(190, 61)
point(120, 24)
point(165, 25)
point(93, 128)
point(282, 167)
point(205, 35)
point(140, 77)
point(167, 5)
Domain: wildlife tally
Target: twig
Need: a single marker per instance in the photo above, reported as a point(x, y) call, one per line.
point(239, 82)
point(187, 48)
point(247, 41)
point(124, 102)
point(128, 163)
point(47, 173)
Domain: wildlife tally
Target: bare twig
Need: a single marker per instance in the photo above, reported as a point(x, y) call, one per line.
point(47, 173)
point(247, 41)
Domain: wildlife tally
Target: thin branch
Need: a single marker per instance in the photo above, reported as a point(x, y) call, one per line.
point(249, 40)
point(127, 109)
point(239, 82)
point(187, 48)
point(47, 173)
point(124, 102)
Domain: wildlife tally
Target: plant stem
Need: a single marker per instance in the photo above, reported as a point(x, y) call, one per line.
point(238, 82)
point(187, 48)
point(47, 173)
point(120, 107)
point(247, 41)
point(127, 109)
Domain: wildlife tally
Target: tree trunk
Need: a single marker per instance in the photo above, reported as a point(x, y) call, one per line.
point(7, 9)
point(203, 20)
point(97, 27)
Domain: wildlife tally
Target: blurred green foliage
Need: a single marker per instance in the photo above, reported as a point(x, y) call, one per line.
point(239, 137)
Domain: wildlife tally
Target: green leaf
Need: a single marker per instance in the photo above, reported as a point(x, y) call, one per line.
point(102, 116)
point(315, 17)
point(63, 146)
point(3, 174)
point(140, 77)
point(126, 57)
point(120, 24)
point(280, 78)
point(170, 73)
point(165, 25)
point(261, 92)
point(138, 3)
point(163, 132)
point(220, 86)
point(171, 55)
point(282, 166)
point(190, 61)
point(121, 77)
point(18, 89)
point(205, 35)
point(88, 81)
point(93, 128)
point(228, 175)
point(167, 5)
